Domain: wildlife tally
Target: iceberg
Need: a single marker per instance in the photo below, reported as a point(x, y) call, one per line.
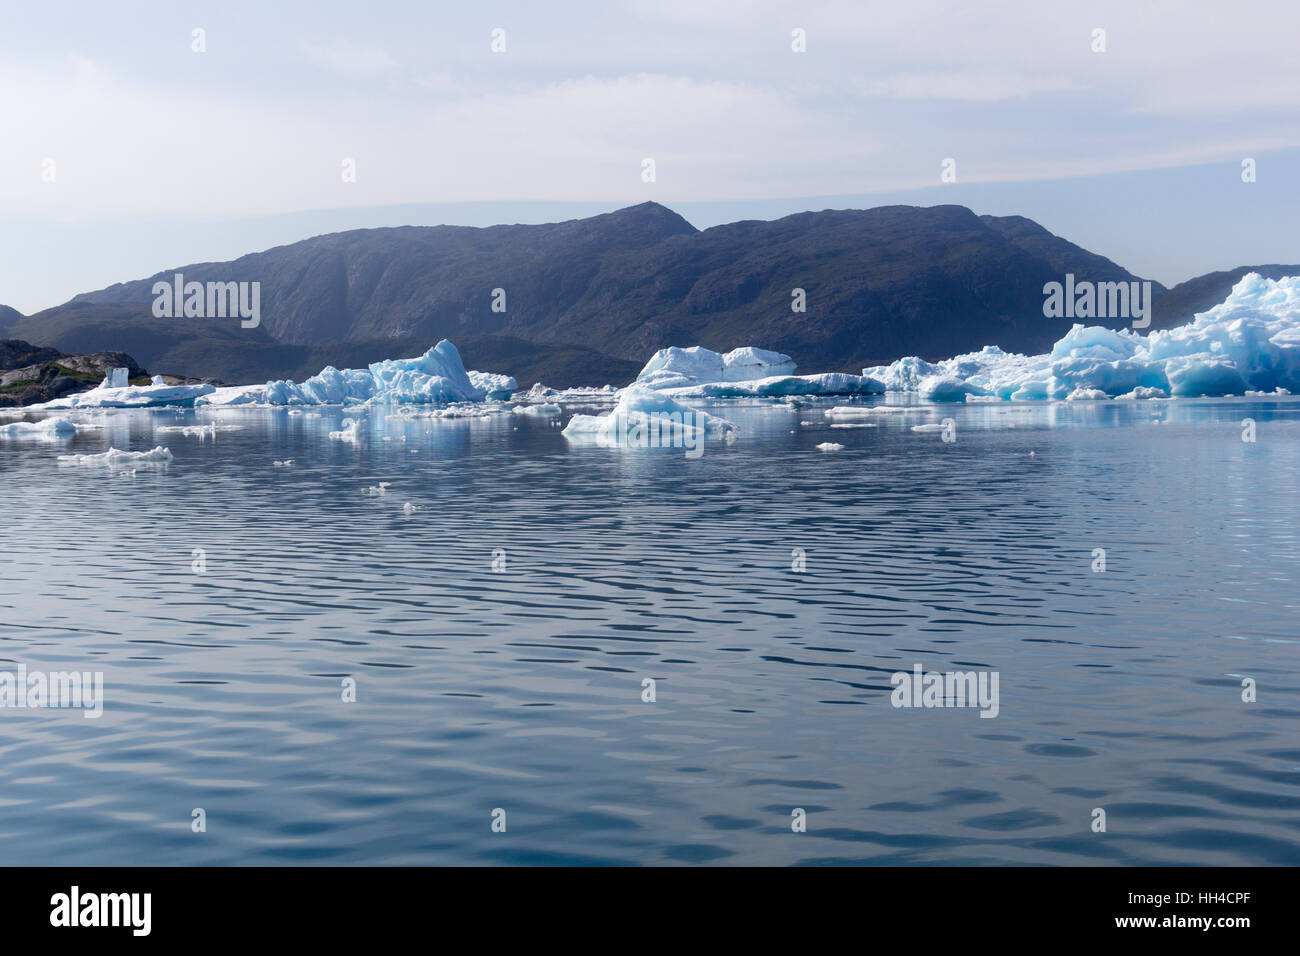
point(748, 372)
point(497, 387)
point(130, 396)
point(1249, 342)
point(51, 428)
point(644, 418)
point(437, 377)
point(675, 367)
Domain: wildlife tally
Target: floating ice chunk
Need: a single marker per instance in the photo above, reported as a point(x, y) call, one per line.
point(191, 431)
point(537, 411)
point(698, 372)
point(50, 428)
point(235, 395)
point(436, 377)
point(647, 419)
point(1140, 393)
point(1087, 395)
point(287, 463)
point(902, 376)
point(131, 396)
point(827, 383)
point(678, 367)
point(497, 387)
point(539, 393)
point(116, 458)
point(829, 446)
point(349, 432)
point(928, 427)
point(865, 411)
point(940, 388)
point(408, 509)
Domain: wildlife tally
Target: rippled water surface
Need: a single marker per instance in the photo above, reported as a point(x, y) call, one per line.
point(521, 689)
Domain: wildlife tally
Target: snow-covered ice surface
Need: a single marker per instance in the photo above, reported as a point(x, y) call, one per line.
point(130, 396)
point(1250, 342)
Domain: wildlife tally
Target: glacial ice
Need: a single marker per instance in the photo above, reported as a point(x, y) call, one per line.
point(830, 446)
point(747, 372)
point(436, 377)
point(497, 387)
point(48, 429)
point(675, 367)
point(1250, 342)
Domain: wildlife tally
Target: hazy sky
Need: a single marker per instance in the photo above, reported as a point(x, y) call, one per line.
point(162, 155)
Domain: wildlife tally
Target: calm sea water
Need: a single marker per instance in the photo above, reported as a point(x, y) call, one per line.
point(521, 689)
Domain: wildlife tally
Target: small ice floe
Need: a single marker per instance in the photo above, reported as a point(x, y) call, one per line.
point(546, 410)
point(928, 427)
point(1141, 393)
point(408, 509)
point(829, 446)
point(51, 428)
point(116, 458)
point(349, 431)
point(854, 425)
point(379, 489)
point(295, 411)
point(202, 432)
point(865, 411)
point(287, 463)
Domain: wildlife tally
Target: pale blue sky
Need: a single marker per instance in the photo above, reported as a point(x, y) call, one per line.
point(164, 156)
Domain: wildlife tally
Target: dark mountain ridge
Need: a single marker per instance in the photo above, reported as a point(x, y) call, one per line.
point(594, 297)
